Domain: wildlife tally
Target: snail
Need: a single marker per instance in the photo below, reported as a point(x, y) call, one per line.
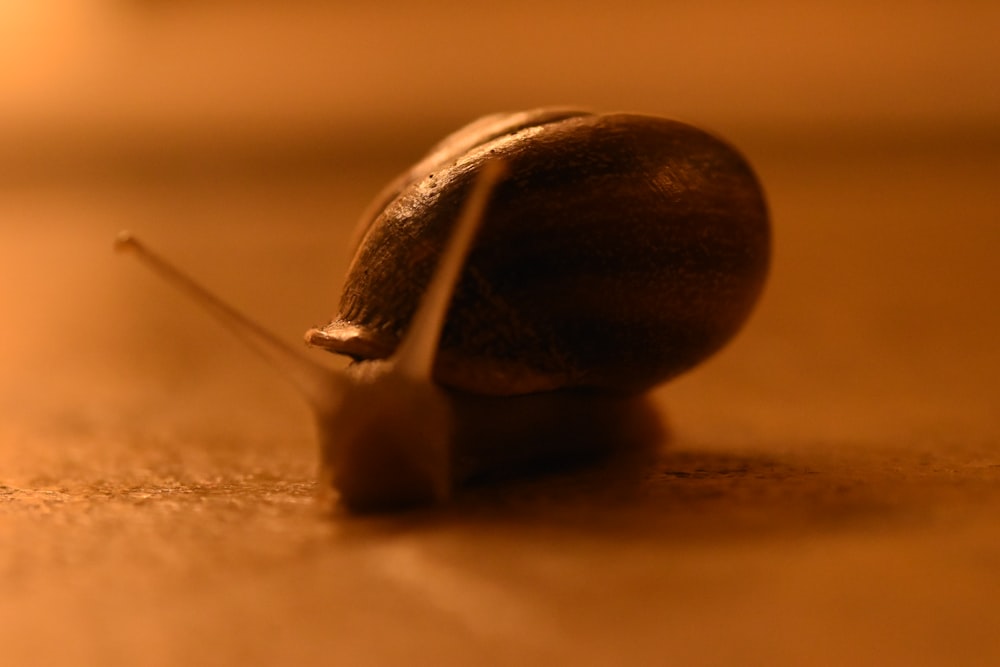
point(515, 295)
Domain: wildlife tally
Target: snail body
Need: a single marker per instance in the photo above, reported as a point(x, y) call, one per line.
point(594, 256)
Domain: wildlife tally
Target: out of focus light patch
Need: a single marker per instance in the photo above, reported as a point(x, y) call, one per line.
point(50, 52)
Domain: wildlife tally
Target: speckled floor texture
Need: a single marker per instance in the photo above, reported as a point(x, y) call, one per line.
point(830, 493)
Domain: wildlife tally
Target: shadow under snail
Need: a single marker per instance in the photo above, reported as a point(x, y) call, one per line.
point(515, 295)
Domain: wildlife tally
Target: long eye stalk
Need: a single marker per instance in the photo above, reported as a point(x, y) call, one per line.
point(313, 381)
point(417, 351)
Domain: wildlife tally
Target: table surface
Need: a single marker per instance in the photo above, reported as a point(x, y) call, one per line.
point(829, 493)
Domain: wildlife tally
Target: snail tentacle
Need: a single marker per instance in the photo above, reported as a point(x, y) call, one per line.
point(389, 442)
point(417, 351)
point(319, 385)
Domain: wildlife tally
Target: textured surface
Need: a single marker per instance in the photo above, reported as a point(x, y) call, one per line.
point(830, 495)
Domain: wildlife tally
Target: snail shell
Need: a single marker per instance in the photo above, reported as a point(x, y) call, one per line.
point(620, 251)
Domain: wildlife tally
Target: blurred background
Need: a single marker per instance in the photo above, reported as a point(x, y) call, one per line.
point(874, 127)
point(253, 133)
point(109, 69)
point(244, 139)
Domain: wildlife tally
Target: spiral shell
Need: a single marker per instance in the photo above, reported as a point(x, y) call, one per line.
point(620, 251)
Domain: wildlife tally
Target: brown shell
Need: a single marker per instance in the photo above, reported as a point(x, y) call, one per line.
point(620, 251)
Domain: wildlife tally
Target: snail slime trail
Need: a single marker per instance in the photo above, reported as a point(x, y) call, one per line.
point(560, 264)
